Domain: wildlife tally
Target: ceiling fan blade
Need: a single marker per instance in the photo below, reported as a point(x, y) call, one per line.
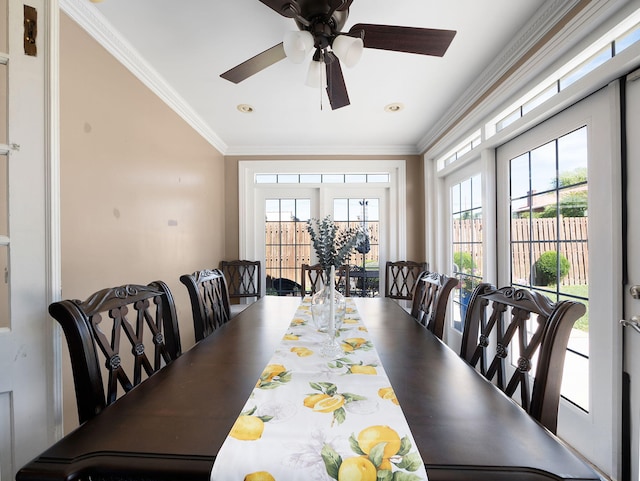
point(336, 88)
point(340, 5)
point(423, 41)
point(255, 64)
point(286, 8)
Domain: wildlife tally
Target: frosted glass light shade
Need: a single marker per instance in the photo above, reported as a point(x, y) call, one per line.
point(348, 49)
point(297, 44)
point(316, 75)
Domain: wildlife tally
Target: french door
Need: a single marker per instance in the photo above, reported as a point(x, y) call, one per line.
point(632, 302)
point(277, 206)
point(558, 196)
point(27, 363)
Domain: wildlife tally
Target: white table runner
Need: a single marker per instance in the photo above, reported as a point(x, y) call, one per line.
point(314, 418)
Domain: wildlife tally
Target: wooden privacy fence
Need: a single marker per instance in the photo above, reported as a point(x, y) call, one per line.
point(530, 238)
point(288, 246)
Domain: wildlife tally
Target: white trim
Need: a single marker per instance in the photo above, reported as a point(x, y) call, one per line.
point(283, 150)
point(52, 228)
point(565, 43)
point(397, 199)
point(96, 25)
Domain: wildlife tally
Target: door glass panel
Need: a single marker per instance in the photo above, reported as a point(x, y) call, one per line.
point(467, 247)
point(549, 241)
point(365, 259)
point(4, 287)
point(287, 244)
point(3, 103)
point(4, 195)
point(4, 31)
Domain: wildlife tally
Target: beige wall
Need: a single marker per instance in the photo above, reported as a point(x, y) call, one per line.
point(415, 194)
point(142, 194)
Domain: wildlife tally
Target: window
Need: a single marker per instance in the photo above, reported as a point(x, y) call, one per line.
point(549, 249)
point(466, 211)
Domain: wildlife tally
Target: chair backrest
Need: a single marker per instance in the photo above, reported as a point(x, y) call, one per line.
point(430, 300)
point(209, 300)
point(313, 279)
point(285, 287)
point(505, 329)
point(243, 278)
point(401, 277)
point(97, 328)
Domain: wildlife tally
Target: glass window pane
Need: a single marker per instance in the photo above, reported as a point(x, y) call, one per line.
point(586, 67)
point(572, 158)
point(627, 39)
point(333, 178)
point(476, 191)
point(519, 173)
point(266, 178)
point(539, 99)
point(310, 178)
point(465, 195)
point(341, 210)
point(4, 26)
point(3, 104)
point(543, 168)
point(355, 178)
point(303, 210)
point(287, 209)
point(455, 199)
point(508, 120)
point(5, 320)
point(4, 195)
point(288, 179)
point(378, 178)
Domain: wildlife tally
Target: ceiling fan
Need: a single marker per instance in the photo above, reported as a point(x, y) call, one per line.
point(319, 27)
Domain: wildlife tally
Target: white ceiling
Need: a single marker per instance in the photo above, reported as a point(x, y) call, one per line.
point(189, 43)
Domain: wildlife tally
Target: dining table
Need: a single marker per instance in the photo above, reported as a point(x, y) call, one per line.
point(174, 424)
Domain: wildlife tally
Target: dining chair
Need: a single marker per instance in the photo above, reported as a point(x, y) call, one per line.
point(505, 329)
point(132, 328)
point(243, 283)
point(313, 279)
point(401, 277)
point(209, 300)
point(430, 300)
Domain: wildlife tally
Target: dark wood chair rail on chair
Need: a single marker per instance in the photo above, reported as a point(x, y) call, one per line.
point(401, 277)
point(313, 279)
point(96, 328)
point(430, 300)
point(209, 300)
point(507, 326)
point(243, 282)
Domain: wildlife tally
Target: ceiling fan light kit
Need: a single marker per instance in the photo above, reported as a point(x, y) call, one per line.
point(320, 23)
point(297, 44)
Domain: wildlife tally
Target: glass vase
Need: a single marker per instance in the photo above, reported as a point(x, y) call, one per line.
point(321, 312)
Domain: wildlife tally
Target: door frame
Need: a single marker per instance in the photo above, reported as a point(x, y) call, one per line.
point(249, 238)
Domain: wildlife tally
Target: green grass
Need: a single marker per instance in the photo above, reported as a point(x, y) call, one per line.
point(582, 290)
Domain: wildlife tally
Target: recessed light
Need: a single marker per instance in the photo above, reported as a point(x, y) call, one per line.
point(394, 107)
point(245, 108)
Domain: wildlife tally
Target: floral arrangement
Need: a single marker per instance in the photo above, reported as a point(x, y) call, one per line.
point(333, 245)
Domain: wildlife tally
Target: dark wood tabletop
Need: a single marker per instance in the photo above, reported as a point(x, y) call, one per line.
point(172, 425)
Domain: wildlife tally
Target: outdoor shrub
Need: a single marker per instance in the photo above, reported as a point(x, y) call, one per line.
point(463, 260)
point(546, 268)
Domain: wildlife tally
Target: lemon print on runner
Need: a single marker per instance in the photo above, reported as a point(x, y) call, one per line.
point(352, 343)
point(274, 375)
point(247, 428)
point(259, 476)
point(389, 394)
point(374, 435)
point(311, 400)
point(329, 404)
point(357, 369)
point(357, 469)
point(291, 337)
point(302, 351)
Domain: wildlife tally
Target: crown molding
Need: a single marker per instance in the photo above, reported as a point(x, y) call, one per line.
point(308, 150)
point(521, 56)
point(94, 23)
